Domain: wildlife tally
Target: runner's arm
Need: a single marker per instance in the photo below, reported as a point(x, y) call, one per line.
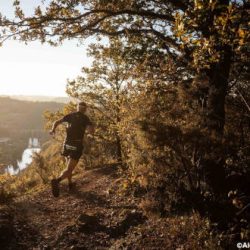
point(55, 124)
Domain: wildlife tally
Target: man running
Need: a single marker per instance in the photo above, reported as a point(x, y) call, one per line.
point(77, 122)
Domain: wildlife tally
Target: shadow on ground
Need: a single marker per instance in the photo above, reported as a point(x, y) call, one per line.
point(91, 224)
point(91, 197)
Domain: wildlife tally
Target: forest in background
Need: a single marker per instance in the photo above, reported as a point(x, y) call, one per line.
point(169, 94)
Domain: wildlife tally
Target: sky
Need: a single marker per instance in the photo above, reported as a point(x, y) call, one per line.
point(36, 69)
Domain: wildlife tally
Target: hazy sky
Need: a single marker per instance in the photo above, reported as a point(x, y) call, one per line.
point(36, 69)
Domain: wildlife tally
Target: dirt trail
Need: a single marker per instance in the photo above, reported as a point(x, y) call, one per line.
point(93, 216)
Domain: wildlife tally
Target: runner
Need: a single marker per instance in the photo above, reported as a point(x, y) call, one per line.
point(77, 123)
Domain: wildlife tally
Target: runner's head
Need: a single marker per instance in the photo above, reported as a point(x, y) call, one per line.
point(82, 106)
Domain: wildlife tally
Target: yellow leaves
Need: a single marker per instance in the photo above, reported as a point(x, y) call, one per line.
point(185, 39)
point(241, 33)
point(198, 4)
point(38, 11)
point(4, 178)
point(196, 42)
point(13, 29)
point(243, 36)
point(65, 12)
point(76, 28)
point(179, 25)
point(125, 184)
point(143, 181)
point(19, 13)
point(220, 22)
point(241, 42)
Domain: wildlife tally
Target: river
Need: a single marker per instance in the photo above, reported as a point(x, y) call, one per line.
point(26, 157)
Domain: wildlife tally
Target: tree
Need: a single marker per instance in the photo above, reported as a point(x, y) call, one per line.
point(104, 86)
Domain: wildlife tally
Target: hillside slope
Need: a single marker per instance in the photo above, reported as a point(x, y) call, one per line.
point(19, 115)
point(96, 215)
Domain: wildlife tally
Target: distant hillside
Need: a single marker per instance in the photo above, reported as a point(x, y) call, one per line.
point(23, 115)
point(41, 98)
point(19, 121)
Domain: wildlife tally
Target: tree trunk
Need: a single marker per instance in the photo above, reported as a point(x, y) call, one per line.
point(218, 83)
point(213, 162)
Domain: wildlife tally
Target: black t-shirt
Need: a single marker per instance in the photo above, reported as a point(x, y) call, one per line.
point(77, 123)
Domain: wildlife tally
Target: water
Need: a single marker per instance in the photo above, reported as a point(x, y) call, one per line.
point(26, 157)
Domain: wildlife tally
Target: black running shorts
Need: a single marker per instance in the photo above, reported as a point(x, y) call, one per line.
point(72, 150)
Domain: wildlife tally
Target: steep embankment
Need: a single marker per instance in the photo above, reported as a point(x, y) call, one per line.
point(93, 216)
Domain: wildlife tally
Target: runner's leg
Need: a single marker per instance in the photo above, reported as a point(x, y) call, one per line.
point(67, 173)
point(70, 176)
